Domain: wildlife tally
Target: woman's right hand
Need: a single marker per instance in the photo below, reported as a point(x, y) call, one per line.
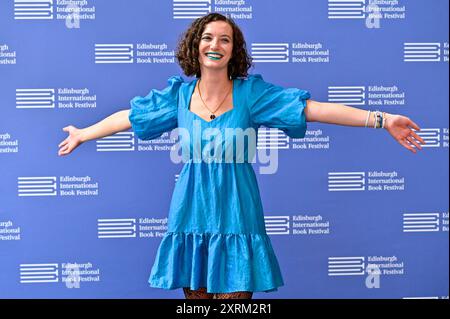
point(71, 142)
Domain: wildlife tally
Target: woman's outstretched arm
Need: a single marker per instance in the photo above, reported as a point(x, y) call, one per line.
point(398, 126)
point(114, 123)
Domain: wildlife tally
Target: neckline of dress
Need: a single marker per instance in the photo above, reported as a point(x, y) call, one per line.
point(191, 93)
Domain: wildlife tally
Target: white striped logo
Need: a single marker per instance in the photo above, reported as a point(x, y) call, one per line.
point(190, 9)
point(346, 9)
point(346, 181)
point(277, 225)
point(114, 53)
point(349, 95)
point(38, 273)
point(35, 98)
point(420, 222)
point(346, 266)
point(270, 52)
point(33, 9)
point(272, 138)
point(116, 228)
point(431, 136)
point(422, 52)
point(36, 186)
point(119, 142)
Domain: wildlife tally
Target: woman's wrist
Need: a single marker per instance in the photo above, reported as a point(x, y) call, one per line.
point(82, 136)
point(378, 119)
point(387, 118)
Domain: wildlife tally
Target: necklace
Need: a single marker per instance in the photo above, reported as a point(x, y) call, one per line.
point(212, 116)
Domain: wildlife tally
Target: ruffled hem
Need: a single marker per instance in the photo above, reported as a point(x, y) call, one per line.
point(222, 263)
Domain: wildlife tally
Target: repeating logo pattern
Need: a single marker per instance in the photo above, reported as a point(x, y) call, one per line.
point(298, 225)
point(346, 266)
point(373, 266)
point(35, 98)
point(68, 10)
point(119, 142)
point(113, 52)
point(131, 227)
point(50, 98)
point(372, 11)
point(270, 52)
point(420, 222)
point(295, 52)
point(117, 228)
point(190, 9)
point(357, 181)
point(349, 95)
point(346, 9)
point(193, 9)
point(425, 52)
point(33, 9)
point(71, 274)
point(39, 186)
point(39, 273)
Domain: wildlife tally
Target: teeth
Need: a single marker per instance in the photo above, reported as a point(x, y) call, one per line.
point(214, 55)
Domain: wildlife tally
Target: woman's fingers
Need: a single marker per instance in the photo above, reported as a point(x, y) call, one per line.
point(417, 137)
point(414, 125)
point(65, 151)
point(63, 143)
point(406, 145)
point(64, 148)
point(413, 141)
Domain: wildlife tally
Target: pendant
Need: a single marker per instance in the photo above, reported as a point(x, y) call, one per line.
point(212, 117)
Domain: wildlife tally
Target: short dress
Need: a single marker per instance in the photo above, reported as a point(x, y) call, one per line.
point(216, 235)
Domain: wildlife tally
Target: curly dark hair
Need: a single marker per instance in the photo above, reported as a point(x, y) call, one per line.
point(187, 51)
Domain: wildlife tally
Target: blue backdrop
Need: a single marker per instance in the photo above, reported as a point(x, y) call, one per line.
point(350, 212)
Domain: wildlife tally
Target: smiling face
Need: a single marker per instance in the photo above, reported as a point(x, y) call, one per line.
point(216, 46)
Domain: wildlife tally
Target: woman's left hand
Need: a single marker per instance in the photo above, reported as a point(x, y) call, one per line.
point(399, 127)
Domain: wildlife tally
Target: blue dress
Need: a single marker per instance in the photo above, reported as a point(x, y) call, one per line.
point(216, 235)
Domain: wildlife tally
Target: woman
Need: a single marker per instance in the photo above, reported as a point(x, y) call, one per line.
point(216, 245)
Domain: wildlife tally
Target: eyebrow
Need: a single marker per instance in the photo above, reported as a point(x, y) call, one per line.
point(223, 35)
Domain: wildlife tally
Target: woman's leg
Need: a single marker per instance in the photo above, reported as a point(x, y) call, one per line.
point(197, 294)
point(234, 295)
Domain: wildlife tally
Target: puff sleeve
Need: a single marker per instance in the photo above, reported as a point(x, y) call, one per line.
point(156, 113)
point(277, 107)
